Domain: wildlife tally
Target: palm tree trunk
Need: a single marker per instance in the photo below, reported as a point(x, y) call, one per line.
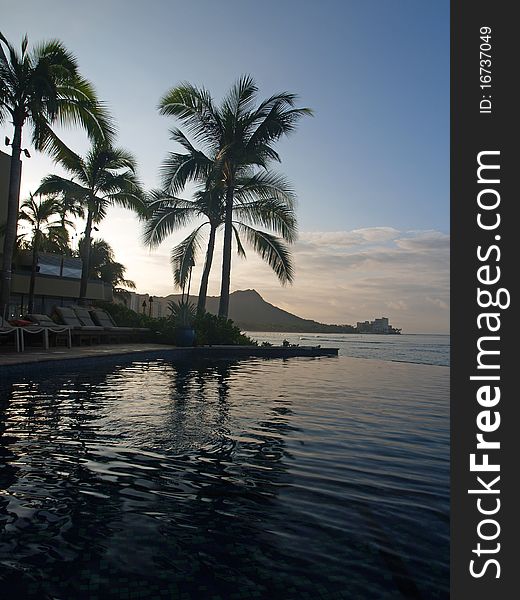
point(223, 308)
point(30, 302)
point(86, 259)
point(13, 201)
point(203, 291)
point(189, 283)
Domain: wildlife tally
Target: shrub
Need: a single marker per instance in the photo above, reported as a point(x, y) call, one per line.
point(209, 329)
point(212, 330)
point(123, 316)
point(183, 312)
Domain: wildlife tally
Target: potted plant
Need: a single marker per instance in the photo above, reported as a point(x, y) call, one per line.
point(183, 314)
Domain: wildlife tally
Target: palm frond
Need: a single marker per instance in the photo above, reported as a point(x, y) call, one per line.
point(158, 198)
point(272, 214)
point(114, 273)
point(272, 250)
point(166, 215)
point(54, 184)
point(50, 143)
point(183, 256)
point(264, 185)
point(179, 169)
point(240, 98)
point(194, 107)
point(240, 248)
point(79, 106)
point(131, 199)
point(277, 122)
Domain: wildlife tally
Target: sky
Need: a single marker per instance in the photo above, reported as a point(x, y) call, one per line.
point(371, 168)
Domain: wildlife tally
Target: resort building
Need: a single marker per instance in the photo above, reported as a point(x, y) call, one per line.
point(380, 325)
point(58, 277)
point(144, 304)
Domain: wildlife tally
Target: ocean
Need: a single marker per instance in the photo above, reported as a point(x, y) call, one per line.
point(298, 478)
point(424, 349)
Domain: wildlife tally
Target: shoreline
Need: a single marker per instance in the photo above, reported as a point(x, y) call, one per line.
point(40, 363)
point(40, 360)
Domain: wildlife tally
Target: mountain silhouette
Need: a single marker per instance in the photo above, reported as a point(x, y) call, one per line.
point(252, 313)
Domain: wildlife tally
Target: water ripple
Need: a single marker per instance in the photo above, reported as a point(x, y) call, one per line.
point(300, 478)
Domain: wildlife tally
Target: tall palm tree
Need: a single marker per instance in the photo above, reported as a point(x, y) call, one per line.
point(235, 136)
point(47, 232)
point(105, 177)
point(41, 87)
point(264, 199)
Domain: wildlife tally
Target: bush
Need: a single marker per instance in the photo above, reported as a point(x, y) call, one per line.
point(210, 330)
point(123, 316)
point(213, 331)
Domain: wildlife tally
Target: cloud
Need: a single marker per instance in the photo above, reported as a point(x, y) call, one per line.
point(348, 238)
point(402, 275)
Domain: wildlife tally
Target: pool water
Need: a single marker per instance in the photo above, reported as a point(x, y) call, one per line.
point(283, 478)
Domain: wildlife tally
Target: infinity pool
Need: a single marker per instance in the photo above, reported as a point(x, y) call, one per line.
point(298, 478)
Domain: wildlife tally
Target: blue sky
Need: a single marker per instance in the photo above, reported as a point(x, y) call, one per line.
point(376, 74)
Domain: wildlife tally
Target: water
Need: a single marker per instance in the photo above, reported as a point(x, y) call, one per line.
point(292, 479)
point(426, 349)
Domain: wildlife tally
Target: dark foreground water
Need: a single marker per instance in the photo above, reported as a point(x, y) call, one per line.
point(300, 478)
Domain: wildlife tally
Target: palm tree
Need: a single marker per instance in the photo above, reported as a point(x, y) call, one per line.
point(41, 87)
point(264, 199)
point(69, 206)
point(114, 273)
point(102, 265)
point(105, 177)
point(46, 234)
point(235, 137)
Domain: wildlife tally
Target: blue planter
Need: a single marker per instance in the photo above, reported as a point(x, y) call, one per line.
point(185, 336)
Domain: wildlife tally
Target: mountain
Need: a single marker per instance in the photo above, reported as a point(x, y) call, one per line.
point(252, 313)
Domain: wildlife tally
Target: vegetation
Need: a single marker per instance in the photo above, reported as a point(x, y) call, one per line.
point(216, 330)
point(182, 313)
point(228, 150)
point(264, 199)
point(46, 234)
point(102, 265)
point(209, 329)
point(105, 177)
point(237, 141)
point(123, 316)
point(40, 87)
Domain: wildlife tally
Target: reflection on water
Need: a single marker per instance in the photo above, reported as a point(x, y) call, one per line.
point(299, 478)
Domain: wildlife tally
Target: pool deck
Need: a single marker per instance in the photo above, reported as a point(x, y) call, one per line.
point(37, 356)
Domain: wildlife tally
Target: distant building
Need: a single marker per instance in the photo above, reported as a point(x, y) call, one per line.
point(380, 325)
point(140, 303)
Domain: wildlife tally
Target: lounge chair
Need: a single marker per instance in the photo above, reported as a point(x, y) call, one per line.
point(102, 318)
point(7, 329)
point(84, 316)
point(78, 330)
point(112, 333)
point(45, 325)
